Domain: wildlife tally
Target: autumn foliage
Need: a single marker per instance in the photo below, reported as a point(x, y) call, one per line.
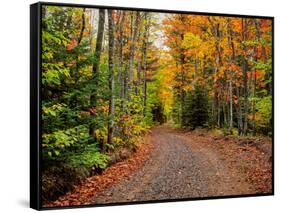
point(230, 60)
point(110, 75)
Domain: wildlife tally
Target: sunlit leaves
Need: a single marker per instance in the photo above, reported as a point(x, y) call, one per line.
point(54, 76)
point(54, 109)
point(57, 141)
point(191, 41)
point(264, 107)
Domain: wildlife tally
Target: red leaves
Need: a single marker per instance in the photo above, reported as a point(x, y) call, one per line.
point(262, 178)
point(259, 74)
point(84, 193)
point(71, 45)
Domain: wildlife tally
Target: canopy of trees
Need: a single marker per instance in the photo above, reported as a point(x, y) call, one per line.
point(228, 60)
point(109, 75)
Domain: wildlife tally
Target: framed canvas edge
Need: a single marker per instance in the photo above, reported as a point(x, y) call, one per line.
point(35, 105)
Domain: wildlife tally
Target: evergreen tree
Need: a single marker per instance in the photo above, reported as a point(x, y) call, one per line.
point(195, 109)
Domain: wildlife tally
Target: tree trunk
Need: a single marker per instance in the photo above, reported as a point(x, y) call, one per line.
point(230, 104)
point(138, 83)
point(218, 63)
point(239, 112)
point(99, 42)
point(79, 40)
point(231, 61)
point(145, 44)
point(132, 48)
point(219, 114)
point(259, 36)
point(245, 78)
point(246, 96)
point(95, 68)
point(224, 110)
point(82, 28)
point(254, 95)
point(111, 76)
point(120, 53)
point(91, 32)
point(182, 92)
point(140, 64)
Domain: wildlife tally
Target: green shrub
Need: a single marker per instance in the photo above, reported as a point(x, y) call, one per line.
point(90, 157)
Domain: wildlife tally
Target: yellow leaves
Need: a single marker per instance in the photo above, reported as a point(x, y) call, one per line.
point(117, 140)
point(101, 134)
point(104, 108)
point(86, 71)
point(54, 109)
point(191, 41)
point(164, 91)
point(188, 87)
point(211, 93)
point(95, 111)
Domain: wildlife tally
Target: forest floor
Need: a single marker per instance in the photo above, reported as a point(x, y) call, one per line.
point(178, 164)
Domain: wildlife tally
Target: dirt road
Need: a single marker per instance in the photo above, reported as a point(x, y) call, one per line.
point(179, 167)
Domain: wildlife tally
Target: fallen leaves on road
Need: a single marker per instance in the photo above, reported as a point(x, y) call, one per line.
point(251, 157)
point(84, 192)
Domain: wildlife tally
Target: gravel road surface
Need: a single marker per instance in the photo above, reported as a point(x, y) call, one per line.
point(177, 168)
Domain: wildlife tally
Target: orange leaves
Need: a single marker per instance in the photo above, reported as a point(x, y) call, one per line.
point(104, 108)
point(266, 25)
point(235, 99)
point(259, 74)
point(259, 52)
point(85, 192)
point(72, 44)
point(95, 111)
point(261, 84)
point(211, 51)
point(85, 114)
point(236, 24)
point(215, 78)
point(234, 67)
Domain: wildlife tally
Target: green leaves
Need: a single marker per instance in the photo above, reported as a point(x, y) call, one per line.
point(54, 74)
point(195, 108)
point(56, 38)
point(56, 142)
point(58, 116)
point(88, 157)
point(51, 77)
point(264, 107)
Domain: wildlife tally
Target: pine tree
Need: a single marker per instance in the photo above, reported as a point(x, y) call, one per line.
point(195, 110)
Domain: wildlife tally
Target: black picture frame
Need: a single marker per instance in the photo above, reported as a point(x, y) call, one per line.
point(36, 106)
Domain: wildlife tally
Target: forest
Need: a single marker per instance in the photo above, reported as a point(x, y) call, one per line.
point(110, 76)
